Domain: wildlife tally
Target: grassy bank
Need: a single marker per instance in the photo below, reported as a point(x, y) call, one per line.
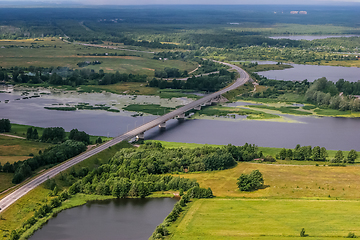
point(153, 109)
point(267, 219)
point(228, 111)
point(21, 130)
point(284, 105)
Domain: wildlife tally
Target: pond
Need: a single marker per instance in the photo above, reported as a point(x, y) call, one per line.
point(126, 219)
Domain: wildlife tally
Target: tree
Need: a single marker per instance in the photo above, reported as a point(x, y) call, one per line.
point(35, 134)
point(352, 156)
point(338, 157)
point(302, 233)
point(29, 133)
point(250, 182)
point(282, 154)
point(5, 125)
point(98, 140)
point(289, 154)
point(323, 154)
point(316, 156)
point(79, 136)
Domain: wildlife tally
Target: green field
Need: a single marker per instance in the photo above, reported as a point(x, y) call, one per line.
point(52, 52)
point(286, 181)
point(267, 219)
point(15, 149)
point(5, 181)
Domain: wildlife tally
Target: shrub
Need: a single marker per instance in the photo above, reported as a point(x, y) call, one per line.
point(351, 235)
point(250, 182)
point(269, 158)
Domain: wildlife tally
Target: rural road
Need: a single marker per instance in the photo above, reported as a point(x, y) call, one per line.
point(18, 193)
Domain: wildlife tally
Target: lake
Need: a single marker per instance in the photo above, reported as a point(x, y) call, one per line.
point(312, 72)
point(126, 219)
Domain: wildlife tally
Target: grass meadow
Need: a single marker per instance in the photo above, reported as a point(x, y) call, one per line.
point(52, 52)
point(285, 181)
point(15, 149)
point(267, 219)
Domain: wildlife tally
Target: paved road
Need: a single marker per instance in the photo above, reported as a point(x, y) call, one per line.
point(18, 193)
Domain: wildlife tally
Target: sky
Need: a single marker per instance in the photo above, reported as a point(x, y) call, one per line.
point(218, 2)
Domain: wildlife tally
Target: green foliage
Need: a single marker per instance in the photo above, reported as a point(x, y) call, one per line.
point(5, 125)
point(302, 233)
point(325, 93)
point(351, 235)
point(53, 155)
point(339, 157)
point(80, 136)
point(304, 153)
point(352, 155)
point(32, 134)
point(53, 134)
point(250, 182)
point(269, 158)
point(209, 83)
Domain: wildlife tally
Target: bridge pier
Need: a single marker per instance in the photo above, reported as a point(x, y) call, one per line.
point(181, 117)
point(162, 125)
point(140, 136)
point(198, 108)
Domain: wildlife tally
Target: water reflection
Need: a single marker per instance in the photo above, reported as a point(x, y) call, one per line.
point(126, 219)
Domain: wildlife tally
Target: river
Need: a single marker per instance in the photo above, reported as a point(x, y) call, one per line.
point(126, 219)
point(331, 133)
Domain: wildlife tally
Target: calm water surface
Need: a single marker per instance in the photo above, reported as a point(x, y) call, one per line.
point(332, 133)
point(312, 72)
point(125, 219)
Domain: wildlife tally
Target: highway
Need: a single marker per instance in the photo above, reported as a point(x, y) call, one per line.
point(18, 193)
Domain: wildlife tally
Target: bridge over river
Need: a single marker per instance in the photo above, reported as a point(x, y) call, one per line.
point(137, 132)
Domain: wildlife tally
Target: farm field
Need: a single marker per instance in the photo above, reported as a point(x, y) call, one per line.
point(223, 218)
point(52, 52)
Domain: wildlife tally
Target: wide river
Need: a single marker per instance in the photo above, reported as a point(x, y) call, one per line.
point(331, 133)
point(126, 219)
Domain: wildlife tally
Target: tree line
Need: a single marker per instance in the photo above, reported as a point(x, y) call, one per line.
point(306, 153)
point(325, 93)
point(58, 134)
point(50, 156)
point(209, 83)
point(67, 76)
